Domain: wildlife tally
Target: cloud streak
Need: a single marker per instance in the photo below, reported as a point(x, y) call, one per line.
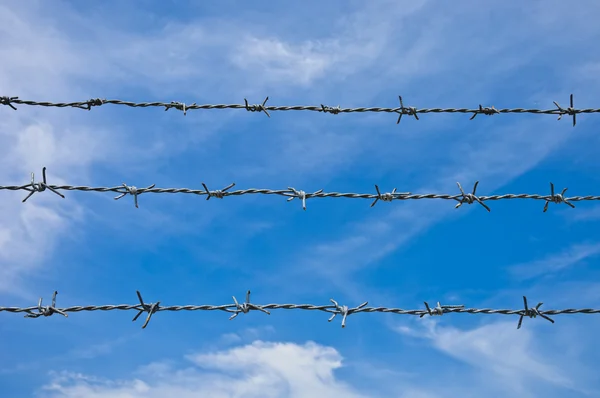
point(555, 262)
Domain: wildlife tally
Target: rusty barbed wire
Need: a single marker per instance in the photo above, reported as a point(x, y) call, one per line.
point(264, 108)
point(335, 309)
point(293, 193)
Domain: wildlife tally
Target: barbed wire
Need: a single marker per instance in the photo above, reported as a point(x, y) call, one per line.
point(292, 193)
point(264, 108)
point(335, 309)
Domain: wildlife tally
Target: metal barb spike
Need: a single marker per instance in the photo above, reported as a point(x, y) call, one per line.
point(532, 313)
point(557, 198)
point(40, 186)
point(387, 197)
point(344, 311)
point(149, 308)
point(330, 109)
point(220, 193)
point(132, 190)
point(301, 195)
point(94, 102)
point(489, 111)
point(258, 108)
point(469, 198)
point(571, 111)
point(246, 307)
point(7, 101)
point(410, 111)
point(439, 309)
point(48, 310)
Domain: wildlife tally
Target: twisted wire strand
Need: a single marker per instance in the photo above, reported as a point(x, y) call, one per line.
point(292, 193)
point(334, 308)
point(264, 108)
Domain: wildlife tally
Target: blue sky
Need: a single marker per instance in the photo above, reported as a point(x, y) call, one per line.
point(181, 249)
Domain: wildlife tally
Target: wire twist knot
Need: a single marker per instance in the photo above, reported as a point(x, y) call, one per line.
point(532, 313)
point(132, 190)
point(571, 111)
point(344, 311)
point(149, 308)
point(388, 196)
point(439, 310)
point(330, 109)
point(245, 307)
point(469, 198)
point(485, 110)
point(179, 106)
point(301, 195)
point(219, 193)
point(34, 187)
point(557, 198)
point(258, 107)
point(8, 101)
point(94, 102)
point(410, 111)
point(48, 310)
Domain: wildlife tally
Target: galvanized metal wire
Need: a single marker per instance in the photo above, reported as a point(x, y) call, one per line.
point(335, 309)
point(292, 193)
point(264, 108)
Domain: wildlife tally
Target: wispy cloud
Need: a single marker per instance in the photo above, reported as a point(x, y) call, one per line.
point(592, 214)
point(555, 262)
point(504, 359)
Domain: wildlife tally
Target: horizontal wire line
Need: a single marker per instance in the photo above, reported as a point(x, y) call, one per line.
point(292, 193)
point(264, 108)
point(335, 309)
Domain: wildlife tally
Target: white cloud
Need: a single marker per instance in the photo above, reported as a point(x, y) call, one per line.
point(282, 61)
point(259, 369)
point(499, 360)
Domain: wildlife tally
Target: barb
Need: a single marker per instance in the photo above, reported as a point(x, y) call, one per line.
point(220, 193)
point(439, 310)
point(149, 308)
point(410, 111)
point(344, 311)
point(40, 186)
point(387, 197)
point(486, 111)
point(302, 195)
point(335, 309)
point(244, 308)
point(557, 198)
point(8, 101)
point(264, 108)
point(179, 106)
point(48, 310)
point(258, 108)
point(93, 102)
point(571, 111)
point(330, 109)
point(131, 190)
point(292, 193)
point(469, 198)
point(532, 313)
